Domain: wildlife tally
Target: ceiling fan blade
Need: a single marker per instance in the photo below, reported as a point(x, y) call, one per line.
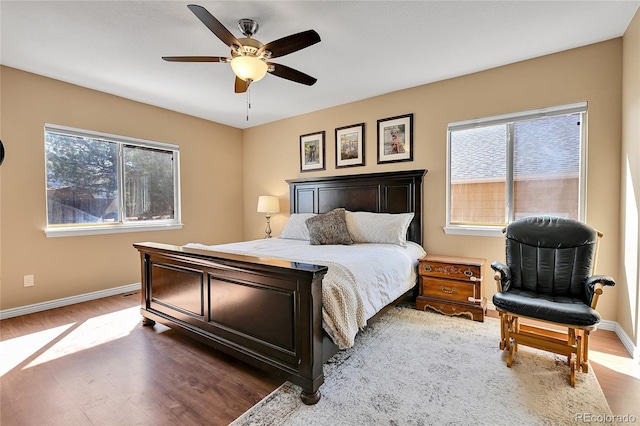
point(214, 25)
point(241, 86)
point(195, 58)
point(290, 44)
point(283, 71)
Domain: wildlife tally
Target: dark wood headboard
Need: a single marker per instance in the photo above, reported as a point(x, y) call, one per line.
point(391, 192)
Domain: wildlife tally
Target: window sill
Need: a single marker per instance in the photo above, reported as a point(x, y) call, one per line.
point(78, 231)
point(478, 231)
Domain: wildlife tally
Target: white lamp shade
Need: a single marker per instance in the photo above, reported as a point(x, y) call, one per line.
point(268, 204)
point(249, 68)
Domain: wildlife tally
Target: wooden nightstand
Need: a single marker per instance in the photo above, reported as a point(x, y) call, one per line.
point(452, 286)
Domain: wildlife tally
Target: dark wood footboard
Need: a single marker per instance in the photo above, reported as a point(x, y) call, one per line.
point(265, 312)
point(268, 312)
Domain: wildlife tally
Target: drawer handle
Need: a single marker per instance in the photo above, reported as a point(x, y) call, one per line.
point(446, 290)
point(468, 273)
point(427, 268)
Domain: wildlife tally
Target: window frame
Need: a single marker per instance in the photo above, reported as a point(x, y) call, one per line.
point(66, 230)
point(508, 120)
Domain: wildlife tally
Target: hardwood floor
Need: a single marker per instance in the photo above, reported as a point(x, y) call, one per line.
point(92, 363)
point(617, 372)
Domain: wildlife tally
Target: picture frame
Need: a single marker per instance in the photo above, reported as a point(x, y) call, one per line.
point(395, 139)
point(350, 146)
point(312, 150)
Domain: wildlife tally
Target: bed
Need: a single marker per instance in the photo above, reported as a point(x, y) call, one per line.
point(263, 310)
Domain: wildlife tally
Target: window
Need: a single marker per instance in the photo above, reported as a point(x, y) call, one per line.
point(101, 183)
point(507, 167)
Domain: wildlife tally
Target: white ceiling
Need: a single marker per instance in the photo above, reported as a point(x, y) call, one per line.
point(368, 48)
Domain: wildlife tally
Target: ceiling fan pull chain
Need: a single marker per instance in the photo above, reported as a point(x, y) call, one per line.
point(248, 98)
point(248, 101)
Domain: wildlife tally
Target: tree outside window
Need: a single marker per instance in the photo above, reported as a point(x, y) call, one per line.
point(93, 180)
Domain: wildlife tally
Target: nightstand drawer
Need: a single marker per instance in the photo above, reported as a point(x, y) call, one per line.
point(448, 290)
point(450, 271)
point(451, 308)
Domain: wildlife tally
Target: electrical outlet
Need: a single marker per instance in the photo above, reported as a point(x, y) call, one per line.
point(28, 281)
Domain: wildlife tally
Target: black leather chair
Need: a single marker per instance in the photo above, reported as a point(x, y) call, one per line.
point(548, 278)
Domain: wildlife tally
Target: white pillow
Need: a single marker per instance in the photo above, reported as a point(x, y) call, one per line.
point(296, 227)
point(385, 228)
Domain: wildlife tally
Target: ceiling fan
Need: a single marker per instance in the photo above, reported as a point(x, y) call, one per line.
point(248, 56)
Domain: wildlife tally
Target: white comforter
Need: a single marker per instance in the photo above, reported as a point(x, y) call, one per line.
point(361, 278)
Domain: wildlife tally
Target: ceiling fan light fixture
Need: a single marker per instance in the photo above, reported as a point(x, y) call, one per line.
point(249, 57)
point(249, 68)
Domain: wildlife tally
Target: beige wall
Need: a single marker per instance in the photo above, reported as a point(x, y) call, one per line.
point(629, 275)
point(211, 173)
point(592, 74)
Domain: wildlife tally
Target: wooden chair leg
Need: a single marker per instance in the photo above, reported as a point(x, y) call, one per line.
point(585, 352)
point(511, 326)
point(516, 329)
point(571, 341)
point(511, 354)
point(503, 321)
point(579, 353)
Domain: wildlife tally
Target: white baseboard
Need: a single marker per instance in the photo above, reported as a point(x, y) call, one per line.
point(58, 303)
point(633, 350)
point(609, 326)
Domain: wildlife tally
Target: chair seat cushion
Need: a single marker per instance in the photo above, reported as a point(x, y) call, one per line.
point(560, 309)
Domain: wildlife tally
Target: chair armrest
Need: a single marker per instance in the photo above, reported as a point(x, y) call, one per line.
point(593, 287)
point(502, 276)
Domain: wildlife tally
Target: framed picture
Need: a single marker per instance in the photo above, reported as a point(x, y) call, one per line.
point(312, 152)
point(350, 146)
point(395, 139)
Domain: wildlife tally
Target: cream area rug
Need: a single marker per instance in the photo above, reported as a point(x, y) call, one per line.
point(423, 368)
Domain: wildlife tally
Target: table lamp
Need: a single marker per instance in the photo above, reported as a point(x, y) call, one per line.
point(268, 204)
